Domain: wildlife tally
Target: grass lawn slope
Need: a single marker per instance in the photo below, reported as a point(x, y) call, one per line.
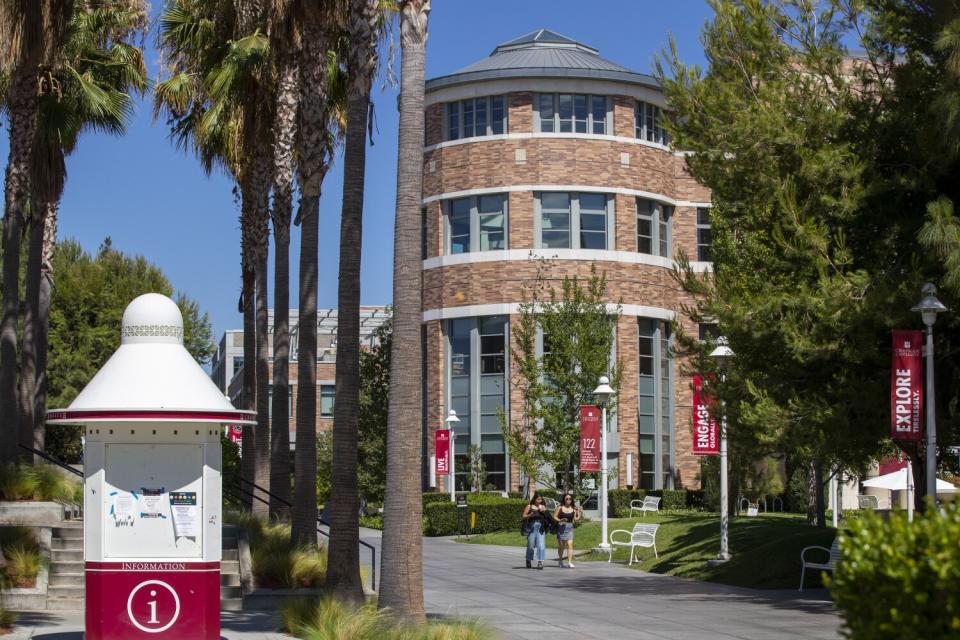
point(766, 549)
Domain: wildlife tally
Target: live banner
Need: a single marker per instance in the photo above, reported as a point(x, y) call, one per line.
point(706, 440)
point(442, 450)
point(589, 438)
point(906, 386)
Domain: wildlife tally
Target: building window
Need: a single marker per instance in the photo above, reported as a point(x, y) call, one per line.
point(708, 331)
point(649, 123)
point(653, 227)
point(475, 117)
point(477, 223)
point(328, 394)
point(655, 408)
point(571, 113)
point(476, 373)
point(289, 401)
point(704, 235)
point(574, 220)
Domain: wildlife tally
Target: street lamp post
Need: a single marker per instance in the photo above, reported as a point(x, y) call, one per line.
point(723, 353)
point(929, 307)
point(603, 393)
point(451, 422)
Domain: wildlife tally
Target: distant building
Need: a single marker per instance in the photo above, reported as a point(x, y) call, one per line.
point(546, 151)
point(228, 361)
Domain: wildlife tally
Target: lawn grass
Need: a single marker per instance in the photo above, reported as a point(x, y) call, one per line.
point(766, 549)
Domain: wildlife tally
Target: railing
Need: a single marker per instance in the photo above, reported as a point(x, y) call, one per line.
point(239, 491)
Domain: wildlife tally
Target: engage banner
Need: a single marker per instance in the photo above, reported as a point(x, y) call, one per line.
point(906, 386)
point(706, 434)
point(589, 438)
point(442, 452)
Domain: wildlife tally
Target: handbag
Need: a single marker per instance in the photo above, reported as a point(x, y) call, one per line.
point(525, 527)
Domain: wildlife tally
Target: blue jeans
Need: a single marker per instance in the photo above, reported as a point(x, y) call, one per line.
point(537, 540)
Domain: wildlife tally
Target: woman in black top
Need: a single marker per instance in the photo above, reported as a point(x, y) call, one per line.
point(536, 516)
point(566, 514)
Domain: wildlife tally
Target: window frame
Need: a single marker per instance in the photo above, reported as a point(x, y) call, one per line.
point(476, 230)
point(322, 387)
point(646, 118)
point(454, 114)
point(660, 217)
point(663, 378)
point(575, 227)
point(590, 121)
point(704, 249)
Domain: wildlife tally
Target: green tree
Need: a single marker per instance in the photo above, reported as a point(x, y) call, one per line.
point(372, 422)
point(85, 314)
point(577, 334)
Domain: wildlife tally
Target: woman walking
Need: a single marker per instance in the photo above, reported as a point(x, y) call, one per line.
point(566, 514)
point(536, 517)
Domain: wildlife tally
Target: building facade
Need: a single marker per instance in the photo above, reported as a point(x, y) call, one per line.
point(227, 369)
point(546, 151)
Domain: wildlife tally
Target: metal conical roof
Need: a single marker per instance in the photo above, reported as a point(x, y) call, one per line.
point(542, 53)
point(151, 376)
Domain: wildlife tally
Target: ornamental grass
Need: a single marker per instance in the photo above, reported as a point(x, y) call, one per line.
point(21, 556)
point(278, 564)
point(42, 482)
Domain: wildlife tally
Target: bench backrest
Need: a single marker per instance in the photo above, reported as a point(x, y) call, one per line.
point(644, 533)
point(651, 502)
point(835, 551)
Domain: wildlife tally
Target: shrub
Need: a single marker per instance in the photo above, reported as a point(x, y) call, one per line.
point(23, 564)
point(276, 562)
point(7, 618)
point(327, 618)
point(897, 577)
point(17, 482)
point(440, 519)
point(671, 499)
point(620, 500)
point(372, 522)
point(42, 482)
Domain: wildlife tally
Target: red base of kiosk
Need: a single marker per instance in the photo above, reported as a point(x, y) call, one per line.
point(153, 600)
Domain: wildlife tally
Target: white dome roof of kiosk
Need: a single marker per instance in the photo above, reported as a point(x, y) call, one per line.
point(151, 376)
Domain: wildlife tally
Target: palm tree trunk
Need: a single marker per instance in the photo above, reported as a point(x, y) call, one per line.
point(28, 355)
point(311, 168)
point(22, 105)
point(248, 398)
point(288, 88)
point(343, 569)
point(401, 587)
point(43, 321)
point(261, 437)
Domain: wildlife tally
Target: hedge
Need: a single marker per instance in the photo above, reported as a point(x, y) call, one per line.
point(670, 499)
point(440, 519)
point(899, 579)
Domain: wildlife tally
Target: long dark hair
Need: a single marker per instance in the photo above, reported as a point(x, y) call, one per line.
point(563, 501)
point(533, 499)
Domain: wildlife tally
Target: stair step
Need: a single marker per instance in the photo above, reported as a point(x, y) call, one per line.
point(231, 604)
point(65, 555)
point(67, 580)
point(69, 567)
point(67, 544)
point(68, 533)
point(230, 592)
point(230, 566)
point(229, 579)
point(57, 591)
point(230, 554)
point(64, 604)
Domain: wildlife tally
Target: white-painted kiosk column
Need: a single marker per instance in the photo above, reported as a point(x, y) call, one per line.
point(152, 483)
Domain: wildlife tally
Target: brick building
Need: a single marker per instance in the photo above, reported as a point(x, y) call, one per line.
point(545, 150)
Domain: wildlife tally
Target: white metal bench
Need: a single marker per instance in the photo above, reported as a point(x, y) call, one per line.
point(833, 558)
point(643, 535)
point(650, 503)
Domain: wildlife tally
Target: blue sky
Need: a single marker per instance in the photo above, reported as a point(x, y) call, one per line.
point(155, 201)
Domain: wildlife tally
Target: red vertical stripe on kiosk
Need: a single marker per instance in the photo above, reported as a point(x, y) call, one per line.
point(906, 386)
point(589, 438)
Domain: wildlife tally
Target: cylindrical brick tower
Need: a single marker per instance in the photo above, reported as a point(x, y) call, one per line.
point(547, 151)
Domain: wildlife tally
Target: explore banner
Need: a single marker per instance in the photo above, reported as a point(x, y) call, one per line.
point(706, 440)
point(442, 452)
point(589, 438)
point(906, 386)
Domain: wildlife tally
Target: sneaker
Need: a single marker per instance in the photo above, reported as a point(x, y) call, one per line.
point(539, 565)
point(529, 566)
point(570, 565)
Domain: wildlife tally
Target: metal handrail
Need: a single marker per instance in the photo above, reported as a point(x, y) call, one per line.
point(256, 487)
point(49, 458)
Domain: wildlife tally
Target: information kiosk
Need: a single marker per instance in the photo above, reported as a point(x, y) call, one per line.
point(151, 421)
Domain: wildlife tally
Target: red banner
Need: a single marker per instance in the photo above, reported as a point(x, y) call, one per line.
point(906, 386)
point(589, 438)
point(706, 435)
point(442, 449)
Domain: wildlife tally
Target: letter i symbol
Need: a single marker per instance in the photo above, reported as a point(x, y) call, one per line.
point(153, 609)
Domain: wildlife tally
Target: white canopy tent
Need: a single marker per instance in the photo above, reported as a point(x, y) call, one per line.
point(897, 481)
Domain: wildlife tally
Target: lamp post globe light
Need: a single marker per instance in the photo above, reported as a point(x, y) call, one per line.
point(723, 354)
point(451, 422)
point(603, 392)
point(929, 307)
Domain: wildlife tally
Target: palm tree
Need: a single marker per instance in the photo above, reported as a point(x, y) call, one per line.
point(31, 33)
point(364, 29)
point(95, 74)
point(401, 587)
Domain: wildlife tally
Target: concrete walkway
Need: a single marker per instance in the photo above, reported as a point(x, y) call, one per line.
point(594, 600)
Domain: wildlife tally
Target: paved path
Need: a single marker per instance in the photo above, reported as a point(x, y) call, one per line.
point(594, 600)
